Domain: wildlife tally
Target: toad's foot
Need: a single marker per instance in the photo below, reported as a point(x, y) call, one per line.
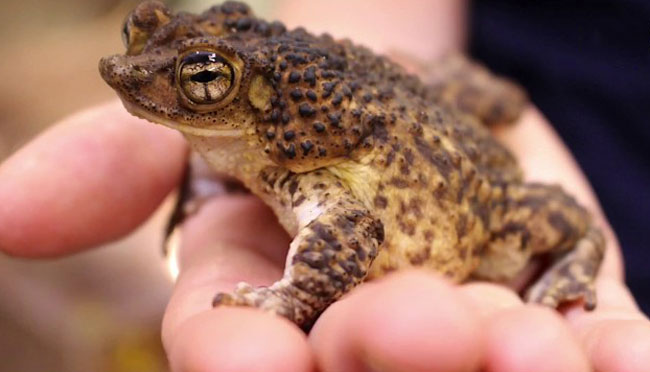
point(337, 241)
point(572, 277)
point(273, 299)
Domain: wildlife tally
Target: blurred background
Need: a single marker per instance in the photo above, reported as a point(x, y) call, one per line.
point(101, 310)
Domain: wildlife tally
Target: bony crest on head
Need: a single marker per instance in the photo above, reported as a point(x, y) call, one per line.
point(141, 23)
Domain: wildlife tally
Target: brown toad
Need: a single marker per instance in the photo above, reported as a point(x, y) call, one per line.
point(368, 168)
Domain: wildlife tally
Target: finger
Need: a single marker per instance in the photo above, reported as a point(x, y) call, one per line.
point(489, 299)
point(236, 220)
point(91, 179)
point(513, 339)
point(532, 339)
point(543, 157)
point(239, 340)
point(407, 322)
point(232, 239)
point(616, 336)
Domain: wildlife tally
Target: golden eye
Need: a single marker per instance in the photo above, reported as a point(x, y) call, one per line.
point(205, 77)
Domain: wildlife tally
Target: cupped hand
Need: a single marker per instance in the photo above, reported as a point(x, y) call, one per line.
point(101, 173)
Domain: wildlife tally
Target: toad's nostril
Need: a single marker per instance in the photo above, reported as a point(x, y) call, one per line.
point(119, 71)
point(107, 68)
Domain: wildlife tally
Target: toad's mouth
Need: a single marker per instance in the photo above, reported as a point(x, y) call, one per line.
point(136, 110)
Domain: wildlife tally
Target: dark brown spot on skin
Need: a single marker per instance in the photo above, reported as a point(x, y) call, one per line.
point(296, 94)
point(400, 183)
point(310, 76)
point(408, 155)
point(306, 110)
point(284, 179)
point(299, 201)
point(351, 267)
point(380, 202)
point(439, 159)
point(534, 202)
point(380, 132)
point(324, 233)
point(319, 127)
point(414, 207)
point(306, 147)
point(312, 95)
point(244, 24)
point(420, 257)
point(327, 74)
point(560, 224)
point(337, 99)
point(294, 77)
point(293, 186)
point(481, 211)
point(348, 222)
point(334, 118)
point(289, 135)
point(514, 228)
point(387, 268)
point(404, 169)
point(328, 87)
point(461, 226)
point(313, 259)
point(407, 227)
point(390, 157)
point(275, 116)
point(462, 191)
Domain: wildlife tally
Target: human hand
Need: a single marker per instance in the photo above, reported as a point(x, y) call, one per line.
point(100, 174)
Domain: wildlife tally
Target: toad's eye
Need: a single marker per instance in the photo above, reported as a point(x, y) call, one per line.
point(126, 34)
point(205, 77)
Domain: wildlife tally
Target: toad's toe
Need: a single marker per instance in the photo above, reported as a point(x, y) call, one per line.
point(553, 290)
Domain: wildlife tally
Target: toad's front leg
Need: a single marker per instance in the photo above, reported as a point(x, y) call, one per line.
point(337, 240)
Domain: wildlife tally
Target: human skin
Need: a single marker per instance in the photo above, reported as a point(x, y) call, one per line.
point(100, 173)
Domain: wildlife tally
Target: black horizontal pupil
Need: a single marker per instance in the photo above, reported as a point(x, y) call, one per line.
point(204, 76)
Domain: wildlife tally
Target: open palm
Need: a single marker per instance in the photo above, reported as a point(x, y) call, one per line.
point(101, 173)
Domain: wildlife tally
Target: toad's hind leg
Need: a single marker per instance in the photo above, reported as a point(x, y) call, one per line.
point(468, 87)
point(337, 240)
point(572, 276)
point(541, 219)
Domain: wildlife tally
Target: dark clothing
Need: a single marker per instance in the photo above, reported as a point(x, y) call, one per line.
point(586, 65)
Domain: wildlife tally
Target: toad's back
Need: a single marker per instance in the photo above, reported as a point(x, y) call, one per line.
point(427, 165)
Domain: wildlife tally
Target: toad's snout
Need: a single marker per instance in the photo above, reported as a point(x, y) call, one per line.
point(108, 69)
point(120, 73)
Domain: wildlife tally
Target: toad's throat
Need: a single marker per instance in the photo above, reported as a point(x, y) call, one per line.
point(186, 129)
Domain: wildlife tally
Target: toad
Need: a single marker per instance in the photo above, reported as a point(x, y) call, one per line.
point(367, 167)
